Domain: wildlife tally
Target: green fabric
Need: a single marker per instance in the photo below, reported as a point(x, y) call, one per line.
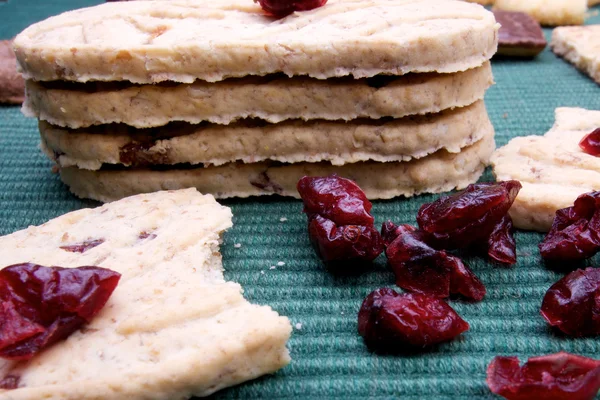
point(329, 358)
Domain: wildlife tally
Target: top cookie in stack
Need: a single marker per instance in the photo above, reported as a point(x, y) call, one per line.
point(148, 95)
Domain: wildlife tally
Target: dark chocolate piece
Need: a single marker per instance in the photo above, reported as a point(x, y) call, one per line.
point(520, 34)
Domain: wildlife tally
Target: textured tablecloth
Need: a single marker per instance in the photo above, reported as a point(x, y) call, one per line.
point(329, 358)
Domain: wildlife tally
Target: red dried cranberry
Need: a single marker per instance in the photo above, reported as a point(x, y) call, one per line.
point(501, 245)
point(347, 242)
point(335, 198)
point(83, 246)
point(590, 143)
point(42, 305)
point(340, 226)
point(573, 303)
point(467, 217)
point(420, 268)
point(575, 232)
point(281, 8)
point(560, 376)
point(10, 382)
point(391, 321)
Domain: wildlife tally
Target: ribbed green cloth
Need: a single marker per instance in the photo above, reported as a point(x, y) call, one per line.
point(329, 358)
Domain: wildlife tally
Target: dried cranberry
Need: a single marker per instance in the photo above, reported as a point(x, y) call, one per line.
point(10, 382)
point(42, 305)
point(391, 321)
point(467, 217)
point(560, 376)
point(420, 268)
point(347, 242)
point(575, 231)
point(501, 245)
point(340, 225)
point(83, 246)
point(335, 198)
point(590, 143)
point(281, 8)
point(573, 303)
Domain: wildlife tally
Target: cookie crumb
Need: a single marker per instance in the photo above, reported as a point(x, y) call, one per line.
point(282, 219)
point(280, 264)
point(298, 326)
point(272, 267)
point(262, 272)
point(237, 245)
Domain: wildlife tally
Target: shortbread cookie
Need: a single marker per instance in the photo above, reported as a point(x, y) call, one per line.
point(520, 35)
point(271, 99)
point(552, 168)
point(12, 85)
point(438, 172)
point(172, 329)
point(290, 141)
point(185, 40)
point(483, 2)
point(580, 45)
point(548, 12)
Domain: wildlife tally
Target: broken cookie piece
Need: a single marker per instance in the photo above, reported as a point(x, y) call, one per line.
point(173, 329)
point(12, 85)
point(548, 12)
point(580, 45)
point(520, 35)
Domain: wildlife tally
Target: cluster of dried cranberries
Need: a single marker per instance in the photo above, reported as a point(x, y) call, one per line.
point(42, 305)
point(590, 143)
point(340, 225)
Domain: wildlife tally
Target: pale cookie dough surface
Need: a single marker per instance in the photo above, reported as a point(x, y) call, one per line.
point(172, 328)
point(436, 173)
point(483, 2)
point(290, 141)
point(268, 98)
point(580, 45)
point(185, 40)
point(553, 169)
point(548, 12)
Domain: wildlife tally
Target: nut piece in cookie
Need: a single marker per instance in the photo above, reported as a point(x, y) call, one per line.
point(580, 45)
point(12, 85)
point(520, 35)
point(548, 12)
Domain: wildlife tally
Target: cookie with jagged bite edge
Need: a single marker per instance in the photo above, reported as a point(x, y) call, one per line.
point(338, 142)
point(12, 85)
point(436, 173)
point(548, 12)
point(553, 169)
point(520, 35)
point(186, 40)
point(273, 98)
point(172, 329)
point(580, 45)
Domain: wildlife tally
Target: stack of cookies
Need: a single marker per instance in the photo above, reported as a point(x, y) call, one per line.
point(141, 96)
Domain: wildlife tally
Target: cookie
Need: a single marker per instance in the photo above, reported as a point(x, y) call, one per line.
point(520, 35)
point(552, 168)
point(173, 327)
point(438, 172)
point(290, 141)
point(273, 99)
point(12, 85)
point(580, 45)
point(593, 2)
point(548, 12)
point(483, 2)
point(185, 40)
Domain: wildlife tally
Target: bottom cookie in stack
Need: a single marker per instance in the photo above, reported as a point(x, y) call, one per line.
point(387, 157)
